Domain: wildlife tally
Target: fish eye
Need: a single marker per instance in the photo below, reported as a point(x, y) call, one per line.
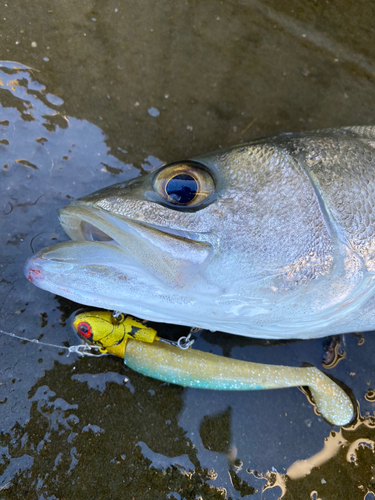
point(185, 184)
point(84, 329)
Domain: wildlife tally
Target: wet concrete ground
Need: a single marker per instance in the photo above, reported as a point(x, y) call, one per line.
point(115, 89)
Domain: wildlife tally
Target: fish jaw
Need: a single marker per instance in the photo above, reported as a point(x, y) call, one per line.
point(136, 268)
point(96, 274)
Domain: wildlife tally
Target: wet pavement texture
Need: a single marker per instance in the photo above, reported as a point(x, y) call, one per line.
point(106, 91)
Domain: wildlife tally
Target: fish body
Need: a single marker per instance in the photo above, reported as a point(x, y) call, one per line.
point(271, 239)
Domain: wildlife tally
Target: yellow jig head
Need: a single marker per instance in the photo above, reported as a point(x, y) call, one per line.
point(111, 332)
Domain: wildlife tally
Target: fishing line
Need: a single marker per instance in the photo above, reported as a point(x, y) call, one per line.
point(82, 350)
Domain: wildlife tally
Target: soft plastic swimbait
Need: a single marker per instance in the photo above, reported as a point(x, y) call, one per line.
point(144, 352)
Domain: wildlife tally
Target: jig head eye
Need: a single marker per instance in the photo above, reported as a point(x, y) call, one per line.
point(84, 329)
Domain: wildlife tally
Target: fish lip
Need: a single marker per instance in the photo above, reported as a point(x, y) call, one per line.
point(31, 273)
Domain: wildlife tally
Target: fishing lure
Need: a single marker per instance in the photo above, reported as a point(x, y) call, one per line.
point(146, 353)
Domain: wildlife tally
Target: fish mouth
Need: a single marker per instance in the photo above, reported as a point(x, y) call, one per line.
point(108, 250)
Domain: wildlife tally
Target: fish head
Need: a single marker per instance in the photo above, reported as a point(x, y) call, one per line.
point(138, 244)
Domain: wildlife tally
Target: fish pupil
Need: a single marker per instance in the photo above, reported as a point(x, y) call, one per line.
point(182, 189)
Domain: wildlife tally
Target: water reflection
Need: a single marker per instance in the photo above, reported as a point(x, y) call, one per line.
point(347, 459)
point(79, 436)
point(87, 422)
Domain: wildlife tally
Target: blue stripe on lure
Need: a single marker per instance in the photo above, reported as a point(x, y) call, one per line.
point(143, 352)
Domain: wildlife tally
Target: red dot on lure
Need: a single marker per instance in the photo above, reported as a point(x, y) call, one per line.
point(84, 329)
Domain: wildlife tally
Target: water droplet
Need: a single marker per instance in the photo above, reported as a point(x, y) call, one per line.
point(153, 112)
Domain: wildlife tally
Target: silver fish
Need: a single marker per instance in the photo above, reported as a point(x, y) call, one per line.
point(273, 239)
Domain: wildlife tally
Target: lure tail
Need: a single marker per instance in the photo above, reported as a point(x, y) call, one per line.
point(193, 368)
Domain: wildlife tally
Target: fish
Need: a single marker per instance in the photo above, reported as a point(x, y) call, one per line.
point(148, 354)
point(274, 238)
